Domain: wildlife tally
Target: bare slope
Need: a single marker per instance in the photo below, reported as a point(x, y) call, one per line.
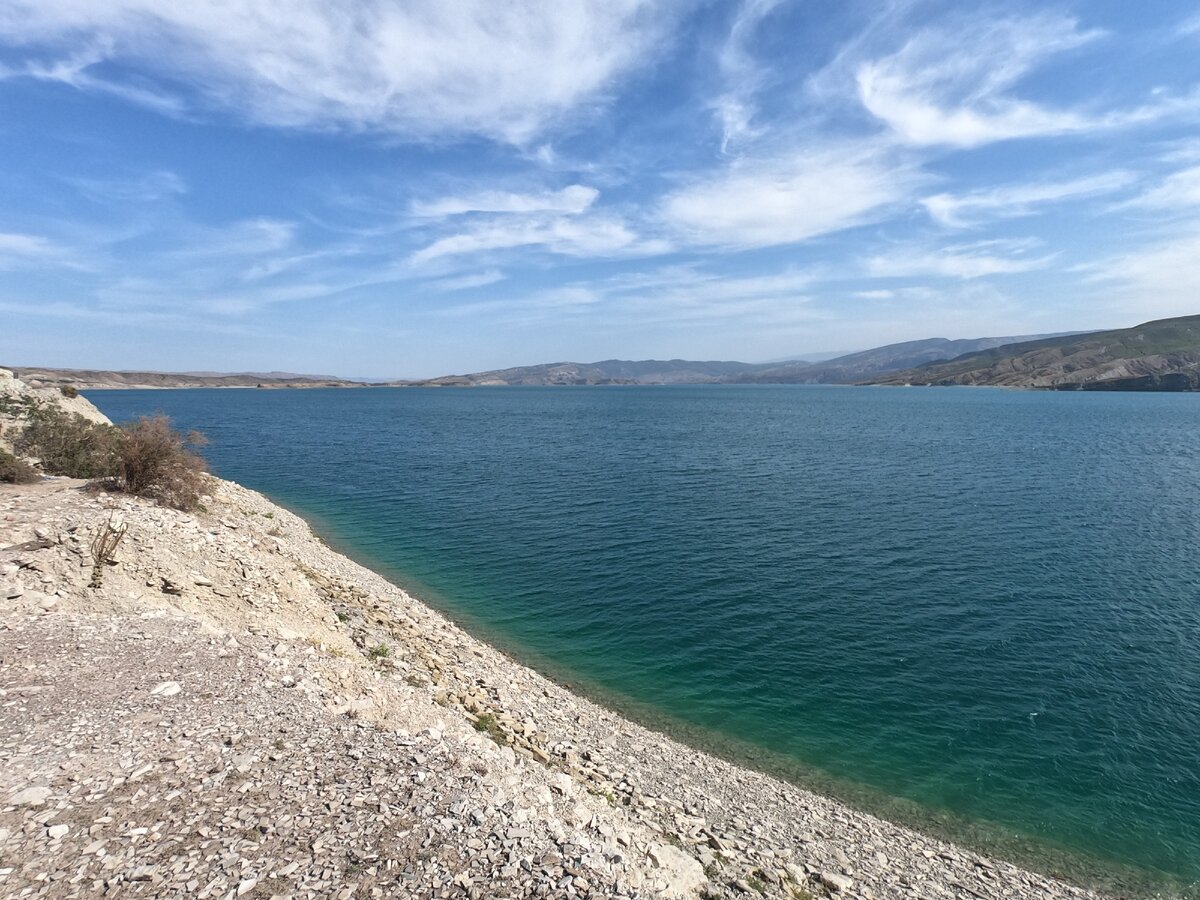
point(99, 379)
point(1158, 355)
point(855, 367)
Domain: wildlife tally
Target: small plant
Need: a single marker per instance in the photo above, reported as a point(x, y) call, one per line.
point(342, 616)
point(380, 651)
point(69, 444)
point(489, 725)
point(14, 470)
point(69, 391)
point(606, 793)
point(104, 547)
point(757, 883)
point(268, 515)
point(157, 461)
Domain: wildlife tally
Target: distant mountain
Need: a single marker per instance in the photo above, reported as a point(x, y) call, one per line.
point(848, 369)
point(1163, 355)
point(99, 379)
point(855, 367)
point(609, 371)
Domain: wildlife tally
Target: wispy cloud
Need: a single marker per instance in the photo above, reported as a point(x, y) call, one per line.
point(584, 236)
point(961, 261)
point(741, 74)
point(465, 282)
point(570, 200)
point(1178, 191)
point(26, 251)
point(957, 86)
point(419, 69)
point(148, 188)
point(76, 69)
point(1158, 279)
point(1013, 200)
point(25, 245)
point(784, 201)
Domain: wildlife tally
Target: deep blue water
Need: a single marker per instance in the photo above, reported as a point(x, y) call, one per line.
point(975, 608)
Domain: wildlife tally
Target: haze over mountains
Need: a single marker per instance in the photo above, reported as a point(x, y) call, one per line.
point(1160, 355)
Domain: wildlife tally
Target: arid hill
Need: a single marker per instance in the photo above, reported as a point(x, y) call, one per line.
point(1163, 355)
point(99, 379)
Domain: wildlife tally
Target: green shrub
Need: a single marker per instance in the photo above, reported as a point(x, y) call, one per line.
point(15, 471)
point(69, 391)
point(69, 444)
point(157, 461)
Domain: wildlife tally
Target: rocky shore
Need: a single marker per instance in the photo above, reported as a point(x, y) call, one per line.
point(239, 711)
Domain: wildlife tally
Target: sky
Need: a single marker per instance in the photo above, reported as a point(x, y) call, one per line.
point(410, 188)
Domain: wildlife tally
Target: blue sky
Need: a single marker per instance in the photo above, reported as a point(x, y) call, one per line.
point(388, 188)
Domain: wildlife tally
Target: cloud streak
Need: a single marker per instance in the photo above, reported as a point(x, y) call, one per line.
point(957, 86)
point(422, 69)
point(1014, 200)
point(785, 201)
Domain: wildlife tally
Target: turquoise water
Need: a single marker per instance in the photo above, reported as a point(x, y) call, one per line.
point(975, 608)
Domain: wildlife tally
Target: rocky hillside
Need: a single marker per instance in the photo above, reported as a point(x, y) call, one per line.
point(846, 369)
point(16, 396)
point(98, 379)
point(1159, 355)
point(855, 367)
point(609, 371)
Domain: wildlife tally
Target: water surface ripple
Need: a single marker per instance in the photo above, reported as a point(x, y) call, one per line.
point(979, 606)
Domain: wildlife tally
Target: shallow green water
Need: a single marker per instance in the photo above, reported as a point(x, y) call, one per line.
point(975, 608)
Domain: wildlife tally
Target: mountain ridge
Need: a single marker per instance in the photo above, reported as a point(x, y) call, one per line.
point(1159, 355)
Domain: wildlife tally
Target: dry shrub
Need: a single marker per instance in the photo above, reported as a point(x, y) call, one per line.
point(69, 444)
point(157, 461)
point(14, 470)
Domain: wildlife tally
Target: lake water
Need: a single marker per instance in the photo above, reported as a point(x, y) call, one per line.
point(974, 609)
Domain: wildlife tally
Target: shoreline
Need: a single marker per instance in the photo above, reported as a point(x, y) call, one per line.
point(1038, 855)
point(696, 819)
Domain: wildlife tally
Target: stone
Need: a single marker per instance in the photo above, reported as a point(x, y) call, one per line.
point(836, 883)
point(166, 689)
point(32, 796)
point(682, 875)
point(58, 831)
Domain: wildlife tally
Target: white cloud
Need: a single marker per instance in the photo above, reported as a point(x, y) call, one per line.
point(32, 250)
point(1010, 201)
point(466, 282)
point(1156, 280)
point(964, 261)
point(761, 204)
point(417, 69)
point(25, 245)
point(570, 200)
point(742, 76)
point(148, 188)
point(581, 236)
point(1178, 191)
point(952, 86)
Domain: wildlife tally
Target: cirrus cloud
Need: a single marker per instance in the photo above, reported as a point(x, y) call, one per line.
point(417, 69)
